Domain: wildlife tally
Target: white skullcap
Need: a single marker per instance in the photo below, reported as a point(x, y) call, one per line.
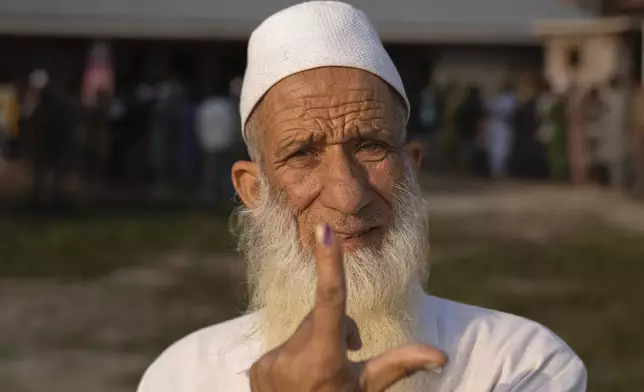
point(312, 35)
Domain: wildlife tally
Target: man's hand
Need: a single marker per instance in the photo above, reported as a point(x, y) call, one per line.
point(315, 358)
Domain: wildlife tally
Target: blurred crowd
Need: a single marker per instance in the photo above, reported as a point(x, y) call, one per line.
point(525, 130)
point(161, 138)
point(155, 139)
point(517, 131)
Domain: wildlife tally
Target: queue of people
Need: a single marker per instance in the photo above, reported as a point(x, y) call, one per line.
point(159, 138)
point(156, 139)
point(515, 132)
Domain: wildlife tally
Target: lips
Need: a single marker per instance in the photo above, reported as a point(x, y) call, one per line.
point(355, 233)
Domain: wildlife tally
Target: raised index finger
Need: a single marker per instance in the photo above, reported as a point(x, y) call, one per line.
point(331, 292)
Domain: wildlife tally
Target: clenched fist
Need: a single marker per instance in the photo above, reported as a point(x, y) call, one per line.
point(315, 358)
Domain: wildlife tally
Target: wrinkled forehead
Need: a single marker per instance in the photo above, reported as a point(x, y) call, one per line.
point(331, 91)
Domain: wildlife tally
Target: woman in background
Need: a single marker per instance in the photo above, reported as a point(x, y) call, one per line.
point(469, 125)
point(558, 140)
point(498, 135)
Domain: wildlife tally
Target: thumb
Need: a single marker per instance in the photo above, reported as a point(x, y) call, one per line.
point(353, 340)
point(393, 365)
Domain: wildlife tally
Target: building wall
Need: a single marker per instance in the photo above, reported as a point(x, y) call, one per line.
point(487, 67)
point(615, 7)
point(401, 20)
point(601, 58)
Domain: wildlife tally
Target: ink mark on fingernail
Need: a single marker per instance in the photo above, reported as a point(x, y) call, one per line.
point(327, 235)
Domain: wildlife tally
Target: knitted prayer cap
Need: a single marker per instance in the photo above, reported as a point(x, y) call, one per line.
point(312, 35)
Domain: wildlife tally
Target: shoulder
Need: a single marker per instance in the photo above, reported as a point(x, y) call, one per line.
point(505, 347)
point(209, 355)
point(498, 329)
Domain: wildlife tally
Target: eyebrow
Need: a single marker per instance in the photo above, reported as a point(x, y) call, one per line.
point(382, 132)
point(294, 142)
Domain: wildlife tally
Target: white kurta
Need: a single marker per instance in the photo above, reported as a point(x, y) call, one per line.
point(487, 350)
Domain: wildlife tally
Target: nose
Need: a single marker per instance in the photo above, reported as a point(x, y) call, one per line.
point(346, 183)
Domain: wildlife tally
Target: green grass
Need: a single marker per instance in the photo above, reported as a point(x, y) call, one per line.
point(586, 286)
point(584, 282)
point(90, 246)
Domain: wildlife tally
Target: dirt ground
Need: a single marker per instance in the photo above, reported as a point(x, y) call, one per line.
point(98, 334)
point(95, 336)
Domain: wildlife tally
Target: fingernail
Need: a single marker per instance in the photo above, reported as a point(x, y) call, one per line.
point(327, 235)
point(323, 234)
point(436, 369)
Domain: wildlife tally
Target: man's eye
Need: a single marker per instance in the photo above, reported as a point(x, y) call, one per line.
point(370, 146)
point(302, 158)
point(304, 152)
point(372, 151)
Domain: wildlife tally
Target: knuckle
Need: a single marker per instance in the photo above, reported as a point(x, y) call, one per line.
point(331, 295)
point(267, 363)
point(405, 371)
point(283, 361)
point(263, 365)
point(327, 370)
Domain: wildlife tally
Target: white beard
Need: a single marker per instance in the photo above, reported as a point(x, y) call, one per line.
point(382, 284)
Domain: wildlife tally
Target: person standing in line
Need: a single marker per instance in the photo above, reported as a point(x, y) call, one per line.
point(429, 122)
point(188, 147)
point(38, 79)
point(557, 143)
point(9, 122)
point(447, 139)
point(613, 149)
point(216, 126)
point(163, 136)
point(595, 112)
point(637, 140)
point(139, 112)
point(99, 135)
point(239, 146)
point(551, 110)
point(469, 121)
point(528, 158)
point(3, 140)
point(578, 151)
point(498, 135)
point(53, 122)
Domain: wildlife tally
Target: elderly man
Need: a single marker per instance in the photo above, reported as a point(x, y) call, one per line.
point(334, 232)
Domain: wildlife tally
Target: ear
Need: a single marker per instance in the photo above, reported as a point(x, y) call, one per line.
point(245, 176)
point(414, 151)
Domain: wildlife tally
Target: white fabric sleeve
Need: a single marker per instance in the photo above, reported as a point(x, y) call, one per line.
point(563, 373)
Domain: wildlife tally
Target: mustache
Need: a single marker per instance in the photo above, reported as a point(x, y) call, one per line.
point(368, 217)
